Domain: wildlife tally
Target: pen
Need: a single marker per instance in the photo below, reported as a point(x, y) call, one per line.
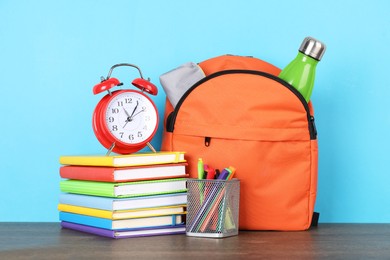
point(200, 169)
point(210, 172)
point(200, 177)
point(217, 173)
point(224, 174)
point(232, 171)
point(212, 213)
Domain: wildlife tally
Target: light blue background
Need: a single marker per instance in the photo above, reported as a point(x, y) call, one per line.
point(53, 52)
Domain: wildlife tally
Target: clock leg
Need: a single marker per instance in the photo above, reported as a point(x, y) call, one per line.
point(110, 149)
point(151, 147)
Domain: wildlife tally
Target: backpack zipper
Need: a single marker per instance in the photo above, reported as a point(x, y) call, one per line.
point(171, 119)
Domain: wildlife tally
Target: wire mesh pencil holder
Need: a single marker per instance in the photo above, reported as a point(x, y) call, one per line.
point(212, 208)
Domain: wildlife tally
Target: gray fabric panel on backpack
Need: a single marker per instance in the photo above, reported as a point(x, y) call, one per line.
point(177, 81)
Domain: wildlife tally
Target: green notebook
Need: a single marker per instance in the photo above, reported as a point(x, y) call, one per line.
point(124, 189)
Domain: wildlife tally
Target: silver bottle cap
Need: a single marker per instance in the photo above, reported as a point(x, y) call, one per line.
point(312, 48)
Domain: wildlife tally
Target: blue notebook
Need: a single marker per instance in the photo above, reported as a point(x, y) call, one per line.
point(105, 203)
point(133, 223)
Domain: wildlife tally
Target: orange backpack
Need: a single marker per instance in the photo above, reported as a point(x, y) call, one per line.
point(241, 114)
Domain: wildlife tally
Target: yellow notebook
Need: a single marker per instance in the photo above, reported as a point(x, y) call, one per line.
point(123, 214)
point(135, 159)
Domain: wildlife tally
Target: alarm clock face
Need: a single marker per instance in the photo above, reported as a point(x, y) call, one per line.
point(131, 117)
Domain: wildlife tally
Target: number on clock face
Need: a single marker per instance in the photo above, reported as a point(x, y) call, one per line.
point(131, 117)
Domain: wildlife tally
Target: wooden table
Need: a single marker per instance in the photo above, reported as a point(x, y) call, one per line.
point(328, 241)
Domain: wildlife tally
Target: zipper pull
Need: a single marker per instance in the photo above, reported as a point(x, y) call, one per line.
point(207, 141)
point(313, 127)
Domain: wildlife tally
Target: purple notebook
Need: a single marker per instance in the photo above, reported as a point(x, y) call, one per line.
point(127, 233)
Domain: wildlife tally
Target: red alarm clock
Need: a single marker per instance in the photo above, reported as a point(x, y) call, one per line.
point(125, 121)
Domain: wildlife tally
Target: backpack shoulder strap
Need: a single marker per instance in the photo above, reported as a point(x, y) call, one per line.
point(315, 219)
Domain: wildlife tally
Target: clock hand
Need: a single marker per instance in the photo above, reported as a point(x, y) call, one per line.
point(133, 111)
point(129, 117)
point(137, 114)
point(127, 113)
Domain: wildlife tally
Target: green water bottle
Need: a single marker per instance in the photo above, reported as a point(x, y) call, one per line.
point(301, 71)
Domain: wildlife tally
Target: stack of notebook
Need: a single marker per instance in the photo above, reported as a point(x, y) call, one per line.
point(141, 194)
